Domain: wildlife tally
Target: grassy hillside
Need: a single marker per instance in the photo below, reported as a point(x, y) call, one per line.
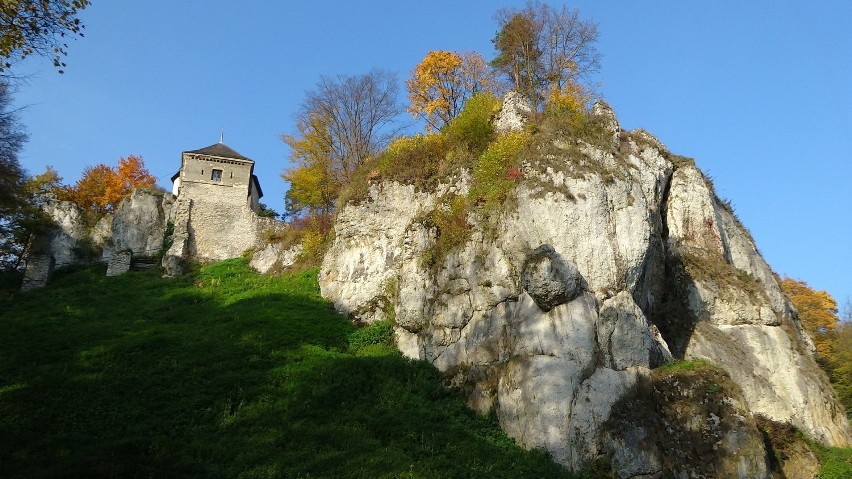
point(224, 374)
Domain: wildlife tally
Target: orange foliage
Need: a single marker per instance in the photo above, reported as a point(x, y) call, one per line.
point(102, 188)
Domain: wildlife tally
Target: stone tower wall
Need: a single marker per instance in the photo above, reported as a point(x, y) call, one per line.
point(199, 168)
point(221, 225)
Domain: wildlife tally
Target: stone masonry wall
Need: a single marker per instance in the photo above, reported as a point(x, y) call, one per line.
point(199, 169)
point(221, 224)
point(39, 268)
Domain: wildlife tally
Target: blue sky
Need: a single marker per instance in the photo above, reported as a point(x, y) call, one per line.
point(757, 92)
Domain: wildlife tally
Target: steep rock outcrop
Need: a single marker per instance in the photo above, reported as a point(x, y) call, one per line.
point(608, 262)
point(65, 240)
point(738, 316)
point(136, 227)
point(139, 222)
point(176, 256)
point(549, 279)
point(275, 256)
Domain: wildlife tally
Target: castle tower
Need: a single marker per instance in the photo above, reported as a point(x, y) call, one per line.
point(205, 171)
point(217, 197)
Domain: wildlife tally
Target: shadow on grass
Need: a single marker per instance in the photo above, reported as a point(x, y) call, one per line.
point(224, 374)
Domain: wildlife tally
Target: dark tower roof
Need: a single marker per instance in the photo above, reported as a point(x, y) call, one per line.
point(221, 150)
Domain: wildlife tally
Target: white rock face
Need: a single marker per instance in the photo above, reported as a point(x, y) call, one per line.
point(119, 263)
point(549, 279)
point(373, 232)
point(552, 351)
point(139, 223)
point(174, 260)
point(751, 333)
point(69, 233)
point(513, 116)
point(101, 236)
point(264, 259)
point(626, 338)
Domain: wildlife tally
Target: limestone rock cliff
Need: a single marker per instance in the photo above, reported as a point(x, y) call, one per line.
point(608, 262)
point(66, 239)
point(139, 223)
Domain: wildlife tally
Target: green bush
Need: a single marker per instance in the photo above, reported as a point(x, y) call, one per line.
point(686, 365)
point(473, 126)
point(453, 230)
point(836, 463)
point(423, 159)
point(413, 159)
point(493, 174)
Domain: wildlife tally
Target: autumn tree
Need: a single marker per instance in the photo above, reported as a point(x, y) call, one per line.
point(38, 27)
point(817, 312)
point(518, 51)
point(545, 50)
point(443, 81)
point(91, 190)
point(841, 374)
point(130, 174)
point(101, 188)
point(341, 123)
point(313, 184)
point(28, 220)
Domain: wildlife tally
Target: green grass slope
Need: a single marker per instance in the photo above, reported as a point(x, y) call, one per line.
point(225, 373)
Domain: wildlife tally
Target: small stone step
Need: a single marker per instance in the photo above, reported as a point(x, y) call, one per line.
point(142, 264)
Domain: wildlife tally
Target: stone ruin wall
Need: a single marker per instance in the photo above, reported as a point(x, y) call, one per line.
point(39, 269)
point(210, 223)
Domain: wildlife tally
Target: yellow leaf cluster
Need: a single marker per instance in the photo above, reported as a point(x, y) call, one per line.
point(817, 312)
point(442, 82)
point(570, 97)
point(313, 183)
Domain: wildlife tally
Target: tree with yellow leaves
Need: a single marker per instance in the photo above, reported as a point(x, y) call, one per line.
point(817, 312)
point(341, 123)
point(313, 184)
point(443, 81)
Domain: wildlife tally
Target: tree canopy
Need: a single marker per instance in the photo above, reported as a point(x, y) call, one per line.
point(817, 312)
point(12, 139)
point(341, 123)
point(443, 81)
point(12, 194)
point(38, 27)
point(543, 49)
point(101, 188)
point(28, 220)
